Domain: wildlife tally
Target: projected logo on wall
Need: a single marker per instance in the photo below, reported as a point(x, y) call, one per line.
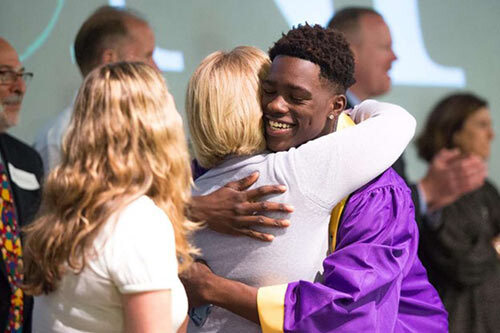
point(413, 67)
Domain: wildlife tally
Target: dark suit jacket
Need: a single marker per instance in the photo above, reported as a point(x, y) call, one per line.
point(27, 202)
point(400, 167)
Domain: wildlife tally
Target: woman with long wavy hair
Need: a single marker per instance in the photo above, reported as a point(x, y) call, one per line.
point(102, 254)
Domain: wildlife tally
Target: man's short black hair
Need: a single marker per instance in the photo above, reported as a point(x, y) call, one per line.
point(326, 48)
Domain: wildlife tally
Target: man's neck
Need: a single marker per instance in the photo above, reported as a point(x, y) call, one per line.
point(352, 99)
point(358, 93)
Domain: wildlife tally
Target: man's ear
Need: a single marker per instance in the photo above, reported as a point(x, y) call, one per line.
point(338, 104)
point(109, 56)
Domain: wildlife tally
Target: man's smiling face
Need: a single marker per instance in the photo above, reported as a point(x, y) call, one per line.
point(296, 103)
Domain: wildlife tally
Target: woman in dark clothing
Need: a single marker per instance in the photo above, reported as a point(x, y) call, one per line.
point(457, 243)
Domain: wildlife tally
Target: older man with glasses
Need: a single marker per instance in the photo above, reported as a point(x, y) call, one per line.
point(13, 80)
point(21, 172)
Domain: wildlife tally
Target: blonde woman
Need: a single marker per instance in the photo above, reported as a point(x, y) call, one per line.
point(102, 255)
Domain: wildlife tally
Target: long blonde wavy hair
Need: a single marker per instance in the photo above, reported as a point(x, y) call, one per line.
point(125, 140)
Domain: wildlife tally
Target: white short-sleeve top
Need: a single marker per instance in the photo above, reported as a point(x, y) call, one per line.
point(135, 252)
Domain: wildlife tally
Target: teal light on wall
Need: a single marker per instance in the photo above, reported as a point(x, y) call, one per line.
point(42, 37)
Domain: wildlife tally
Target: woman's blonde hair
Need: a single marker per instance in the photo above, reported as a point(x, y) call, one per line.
point(223, 105)
point(125, 140)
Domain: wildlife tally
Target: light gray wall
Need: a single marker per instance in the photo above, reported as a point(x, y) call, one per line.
point(456, 33)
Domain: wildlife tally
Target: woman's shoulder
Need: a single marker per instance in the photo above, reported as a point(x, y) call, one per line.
point(142, 214)
point(140, 204)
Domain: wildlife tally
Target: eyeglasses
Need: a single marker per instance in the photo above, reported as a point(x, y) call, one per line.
point(10, 77)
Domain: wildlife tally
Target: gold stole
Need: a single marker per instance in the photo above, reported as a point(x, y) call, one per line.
point(343, 121)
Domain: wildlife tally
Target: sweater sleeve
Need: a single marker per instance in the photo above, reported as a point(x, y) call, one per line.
point(329, 168)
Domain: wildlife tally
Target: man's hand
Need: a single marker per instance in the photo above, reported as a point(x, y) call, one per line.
point(233, 209)
point(451, 175)
point(196, 281)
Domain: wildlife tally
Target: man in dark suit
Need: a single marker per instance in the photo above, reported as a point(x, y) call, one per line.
point(449, 175)
point(21, 174)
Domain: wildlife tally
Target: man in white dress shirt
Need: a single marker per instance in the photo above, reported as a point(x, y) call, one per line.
point(108, 35)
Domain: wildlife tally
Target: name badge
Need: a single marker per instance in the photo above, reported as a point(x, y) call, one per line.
point(23, 179)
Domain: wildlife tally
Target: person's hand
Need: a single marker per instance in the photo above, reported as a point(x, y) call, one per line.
point(204, 287)
point(451, 175)
point(234, 210)
point(196, 280)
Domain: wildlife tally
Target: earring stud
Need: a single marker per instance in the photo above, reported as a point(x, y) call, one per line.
point(330, 117)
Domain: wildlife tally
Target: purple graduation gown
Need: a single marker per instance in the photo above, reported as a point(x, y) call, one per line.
point(374, 280)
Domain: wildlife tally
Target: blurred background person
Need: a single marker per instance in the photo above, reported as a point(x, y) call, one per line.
point(109, 35)
point(371, 43)
point(458, 248)
point(21, 173)
point(102, 255)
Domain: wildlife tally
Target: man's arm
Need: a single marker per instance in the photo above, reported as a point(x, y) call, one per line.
point(204, 287)
point(234, 210)
point(362, 278)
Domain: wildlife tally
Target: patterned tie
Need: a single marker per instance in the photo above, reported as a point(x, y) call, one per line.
point(10, 245)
